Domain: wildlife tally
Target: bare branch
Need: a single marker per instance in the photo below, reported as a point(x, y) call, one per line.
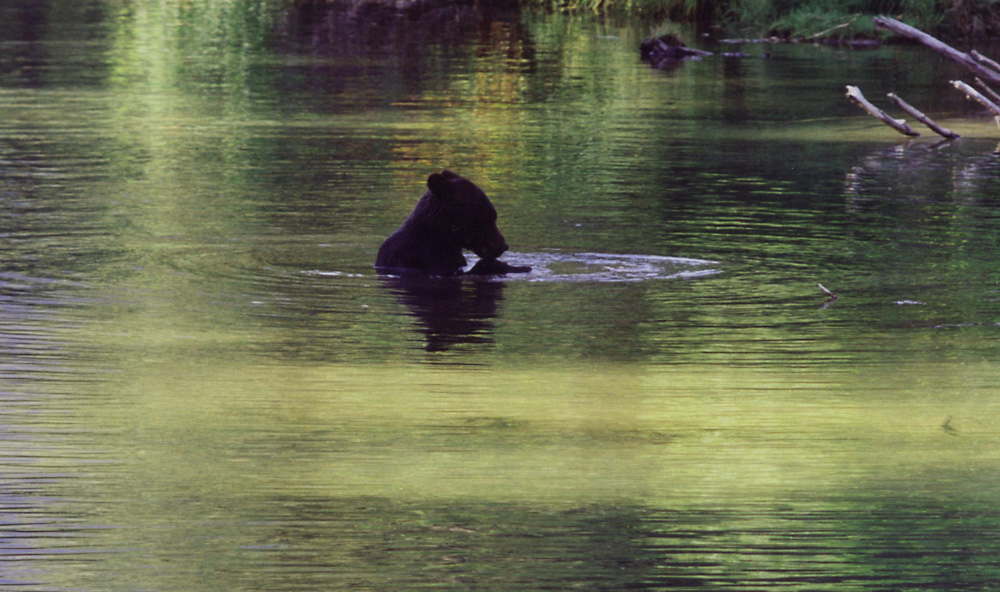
point(919, 116)
point(976, 96)
point(899, 125)
point(984, 60)
point(840, 26)
point(986, 88)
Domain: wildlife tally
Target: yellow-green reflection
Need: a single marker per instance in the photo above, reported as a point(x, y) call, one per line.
point(681, 437)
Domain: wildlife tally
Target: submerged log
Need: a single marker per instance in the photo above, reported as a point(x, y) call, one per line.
point(919, 116)
point(854, 93)
point(966, 59)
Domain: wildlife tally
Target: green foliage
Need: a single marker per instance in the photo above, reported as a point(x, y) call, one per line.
point(839, 19)
point(848, 19)
point(814, 20)
point(684, 10)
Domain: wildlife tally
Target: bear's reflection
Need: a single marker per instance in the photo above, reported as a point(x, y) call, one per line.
point(449, 310)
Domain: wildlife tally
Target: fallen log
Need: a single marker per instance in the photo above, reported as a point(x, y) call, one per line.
point(919, 116)
point(854, 93)
point(976, 96)
point(965, 59)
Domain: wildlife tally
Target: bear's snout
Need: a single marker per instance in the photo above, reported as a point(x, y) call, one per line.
point(493, 249)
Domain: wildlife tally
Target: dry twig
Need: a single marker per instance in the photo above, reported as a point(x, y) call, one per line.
point(976, 96)
point(986, 88)
point(919, 116)
point(899, 125)
point(834, 28)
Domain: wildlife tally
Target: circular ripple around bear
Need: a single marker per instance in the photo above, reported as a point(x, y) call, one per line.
point(604, 267)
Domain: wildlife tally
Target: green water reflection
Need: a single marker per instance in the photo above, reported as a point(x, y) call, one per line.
point(204, 384)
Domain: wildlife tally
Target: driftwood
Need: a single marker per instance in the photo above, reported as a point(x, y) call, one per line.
point(829, 294)
point(976, 96)
point(854, 93)
point(831, 297)
point(981, 68)
point(919, 116)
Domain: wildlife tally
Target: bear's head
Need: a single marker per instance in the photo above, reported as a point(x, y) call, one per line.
point(471, 216)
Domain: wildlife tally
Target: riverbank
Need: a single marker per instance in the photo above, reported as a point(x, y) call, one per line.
point(830, 20)
point(803, 19)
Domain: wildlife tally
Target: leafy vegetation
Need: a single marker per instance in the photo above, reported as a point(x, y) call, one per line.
point(837, 19)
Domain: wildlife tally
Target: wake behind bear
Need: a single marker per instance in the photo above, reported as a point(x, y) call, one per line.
point(454, 214)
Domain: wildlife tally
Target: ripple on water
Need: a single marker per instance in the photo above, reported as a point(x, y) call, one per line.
point(606, 267)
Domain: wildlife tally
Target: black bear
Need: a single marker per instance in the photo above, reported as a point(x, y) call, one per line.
point(453, 214)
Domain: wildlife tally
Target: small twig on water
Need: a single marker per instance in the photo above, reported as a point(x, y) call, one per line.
point(827, 292)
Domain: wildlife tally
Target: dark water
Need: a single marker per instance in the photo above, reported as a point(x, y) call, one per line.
point(205, 386)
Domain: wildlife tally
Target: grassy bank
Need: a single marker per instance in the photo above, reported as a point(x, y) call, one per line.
point(838, 19)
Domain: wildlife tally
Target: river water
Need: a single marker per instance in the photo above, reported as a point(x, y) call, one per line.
point(205, 386)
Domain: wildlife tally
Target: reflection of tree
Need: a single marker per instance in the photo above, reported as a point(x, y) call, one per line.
point(921, 171)
point(448, 65)
point(921, 216)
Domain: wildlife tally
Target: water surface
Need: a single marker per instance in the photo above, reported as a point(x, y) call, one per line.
point(205, 385)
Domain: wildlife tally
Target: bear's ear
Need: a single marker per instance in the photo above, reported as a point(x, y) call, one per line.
point(450, 174)
point(440, 185)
